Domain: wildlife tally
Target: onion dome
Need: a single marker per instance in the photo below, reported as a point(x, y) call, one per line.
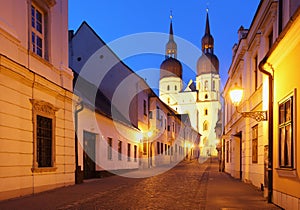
point(170, 67)
point(208, 62)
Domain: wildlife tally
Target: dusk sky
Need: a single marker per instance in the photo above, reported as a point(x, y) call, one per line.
point(115, 19)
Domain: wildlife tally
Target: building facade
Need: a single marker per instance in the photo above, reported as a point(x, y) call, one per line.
point(126, 122)
point(263, 153)
point(200, 99)
point(37, 134)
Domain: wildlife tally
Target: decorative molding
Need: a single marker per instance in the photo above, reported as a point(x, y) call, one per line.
point(43, 106)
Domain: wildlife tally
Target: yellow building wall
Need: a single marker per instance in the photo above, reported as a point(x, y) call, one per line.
point(285, 61)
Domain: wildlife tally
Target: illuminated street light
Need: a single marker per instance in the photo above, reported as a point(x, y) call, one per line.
point(236, 95)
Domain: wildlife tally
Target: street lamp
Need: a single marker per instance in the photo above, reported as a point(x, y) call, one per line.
point(236, 95)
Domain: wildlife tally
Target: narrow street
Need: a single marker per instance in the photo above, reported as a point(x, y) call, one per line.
point(189, 185)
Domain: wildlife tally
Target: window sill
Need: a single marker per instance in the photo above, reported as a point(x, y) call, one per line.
point(286, 172)
point(45, 169)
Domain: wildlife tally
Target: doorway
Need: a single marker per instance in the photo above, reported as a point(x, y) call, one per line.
point(89, 144)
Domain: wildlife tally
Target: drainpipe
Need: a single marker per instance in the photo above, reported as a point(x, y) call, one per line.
point(77, 170)
point(270, 128)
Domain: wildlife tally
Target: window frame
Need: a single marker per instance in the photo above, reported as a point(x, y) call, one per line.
point(128, 152)
point(285, 124)
point(255, 139)
point(119, 150)
point(44, 109)
point(109, 148)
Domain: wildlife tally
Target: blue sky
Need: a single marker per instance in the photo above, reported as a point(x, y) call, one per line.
point(115, 19)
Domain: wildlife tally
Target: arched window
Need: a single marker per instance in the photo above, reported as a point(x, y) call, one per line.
point(168, 100)
point(205, 112)
point(205, 126)
point(206, 85)
point(206, 96)
point(214, 85)
point(168, 87)
point(175, 87)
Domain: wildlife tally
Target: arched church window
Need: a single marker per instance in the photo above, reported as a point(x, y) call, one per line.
point(206, 96)
point(205, 126)
point(205, 112)
point(168, 87)
point(175, 87)
point(214, 85)
point(206, 85)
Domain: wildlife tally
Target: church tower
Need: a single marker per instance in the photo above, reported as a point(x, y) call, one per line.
point(201, 97)
point(208, 87)
point(170, 82)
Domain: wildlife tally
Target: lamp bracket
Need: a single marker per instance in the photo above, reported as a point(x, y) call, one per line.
point(257, 115)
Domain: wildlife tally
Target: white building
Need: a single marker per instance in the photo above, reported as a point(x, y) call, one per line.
point(201, 98)
point(36, 120)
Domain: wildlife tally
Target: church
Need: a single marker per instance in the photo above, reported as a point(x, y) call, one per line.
point(200, 99)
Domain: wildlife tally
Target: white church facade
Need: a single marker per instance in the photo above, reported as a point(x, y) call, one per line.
point(200, 99)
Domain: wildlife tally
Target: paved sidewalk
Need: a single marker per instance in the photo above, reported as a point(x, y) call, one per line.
point(216, 190)
point(225, 192)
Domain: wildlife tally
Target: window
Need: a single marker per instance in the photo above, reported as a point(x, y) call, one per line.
point(286, 146)
point(168, 127)
point(120, 150)
point(168, 100)
point(214, 85)
point(135, 153)
point(157, 113)
point(255, 144)
point(150, 115)
point(145, 107)
point(169, 150)
point(205, 126)
point(206, 96)
point(44, 136)
point(109, 148)
point(37, 31)
point(128, 151)
point(44, 141)
point(175, 87)
point(168, 87)
point(270, 39)
point(227, 152)
point(206, 85)
point(205, 111)
point(166, 146)
point(162, 148)
point(173, 126)
point(255, 73)
point(158, 149)
point(144, 148)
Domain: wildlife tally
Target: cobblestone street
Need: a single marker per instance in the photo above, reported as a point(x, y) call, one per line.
point(189, 185)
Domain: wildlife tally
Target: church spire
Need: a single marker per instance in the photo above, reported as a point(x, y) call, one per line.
point(171, 47)
point(207, 39)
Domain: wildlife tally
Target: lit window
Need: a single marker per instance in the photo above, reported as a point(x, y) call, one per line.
point(37, 31)
point(254, 144)
point(205, 126)
point(286, 145)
